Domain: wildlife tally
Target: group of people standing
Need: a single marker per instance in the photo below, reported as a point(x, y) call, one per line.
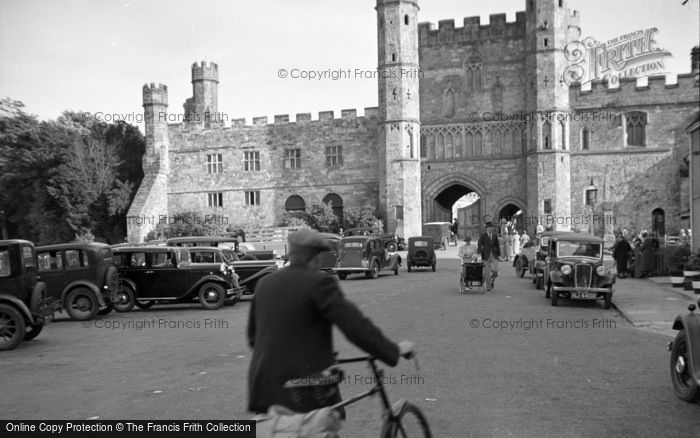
point(637, 257)
point(511, 240)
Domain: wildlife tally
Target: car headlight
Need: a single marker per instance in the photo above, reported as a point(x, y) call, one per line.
point(223, 268)
point(600, 270)
point(566, 269)
point(364, 263)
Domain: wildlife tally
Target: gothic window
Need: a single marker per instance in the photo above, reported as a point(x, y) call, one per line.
point(458, 146)
point(546, 135)
point(508, 143)
point(405, 19)
point(469, 143)
point(497, 96)
point(477, 144)
point(473, 73)
point(215, 199)
point(423, 147)
point(497, 143)
point(517, 137)
point(586, 139)
point(547, 206)
point(440, 147)
point(292, 158)
point(431, 148)
point(487, 148)
point(336, 202)
point(411, 144)
point(294, 203)
point(448, 147)
point(334, 156)
point(215, 163)
point(636, 128)
point(252, 198)
point(251, 161)
point(449, 103)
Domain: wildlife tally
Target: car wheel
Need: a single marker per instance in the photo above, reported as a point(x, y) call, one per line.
point(433, 266)
point(145, 304)
point(391, 247)
point(555, 297)
point(342, 275)
point(81, 304)
point(374, 272)
point(108, 308)
point(548, 291)
point(519, 270)
point(127, 298)
point(685, 387)
point(539, 283)
point(12, 327)
point(608, 300)
point(212, 296)
point(32, 331)
point(396, 270)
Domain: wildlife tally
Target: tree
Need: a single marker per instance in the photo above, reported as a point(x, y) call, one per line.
point(295, 219)
point(323, 219)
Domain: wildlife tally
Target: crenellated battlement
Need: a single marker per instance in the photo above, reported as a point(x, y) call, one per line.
point(202, 71)
point(630, 93)
point(155, 94)
point(472, 29)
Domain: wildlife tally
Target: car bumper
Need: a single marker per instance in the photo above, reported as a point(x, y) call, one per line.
point(583, 290)
point(236, 292)
point(350, 270)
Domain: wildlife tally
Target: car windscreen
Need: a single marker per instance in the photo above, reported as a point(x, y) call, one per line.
point(420, 243)
point(579, 249)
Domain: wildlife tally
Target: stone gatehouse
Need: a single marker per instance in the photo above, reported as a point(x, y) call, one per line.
point(487, 113)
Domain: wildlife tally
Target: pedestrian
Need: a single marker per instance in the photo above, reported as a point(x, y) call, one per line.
point(489, 249)
point(507, 240)
point(467, 254)
point(647, 256)
point(524, 239)
point(621, 252)
point(455, 230)
point(515, 245)
point(290, 324)
point(502, 233)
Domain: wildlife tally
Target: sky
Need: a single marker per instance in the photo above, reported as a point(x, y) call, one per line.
point(95, 55)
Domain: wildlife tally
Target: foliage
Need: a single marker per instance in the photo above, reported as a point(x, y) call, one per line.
point(323, 219)
point(85, 237)
point(692, 262)
point(66, 177)
point(363, 217)
point(295, 219)
point(186, 223)
point(675, 257)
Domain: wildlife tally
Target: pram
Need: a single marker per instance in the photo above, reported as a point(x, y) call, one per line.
point(472, 276)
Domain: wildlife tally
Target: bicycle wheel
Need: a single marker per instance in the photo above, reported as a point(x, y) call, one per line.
point(409, 423)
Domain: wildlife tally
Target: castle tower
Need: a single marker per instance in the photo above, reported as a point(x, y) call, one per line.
point(151, 201)
point(550, 26)
point(203, 106)
point(399, 126)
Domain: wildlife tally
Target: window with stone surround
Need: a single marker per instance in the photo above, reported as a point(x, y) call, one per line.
point(472, 80)
point(334, 156)
point(423, 147)
point(215, 199)
point(636, 124)
point(295, 203)
point(251, 161)
point(292, 158)
point(252, 198)
point(546, 135)
point(586, 138)
point(215, 163)
point(547, 206)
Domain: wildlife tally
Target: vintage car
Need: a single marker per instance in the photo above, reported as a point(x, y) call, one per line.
point(541, 249)
point(574, 268)
point(328, 258)
point(525, 261)
point(165, 274)
point(685, 356)
point(81, 277)
point(365, 254)
point(392, 242)
point(232, 242)
point(421, 252)
point(441, 233)
point(23, 306)
point(248, 272)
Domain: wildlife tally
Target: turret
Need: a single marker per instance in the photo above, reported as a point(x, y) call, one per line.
point(203, 106)
point(155, 108)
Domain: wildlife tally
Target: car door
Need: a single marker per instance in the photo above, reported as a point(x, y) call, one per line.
point(163, 279)
point(51, 272)
point(76, 265)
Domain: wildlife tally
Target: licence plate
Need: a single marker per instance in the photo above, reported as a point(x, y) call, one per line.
point(584, 295)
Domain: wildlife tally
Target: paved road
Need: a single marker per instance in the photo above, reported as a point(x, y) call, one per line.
point(501, 364)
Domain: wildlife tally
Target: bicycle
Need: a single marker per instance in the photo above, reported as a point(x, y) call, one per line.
point(398, 419)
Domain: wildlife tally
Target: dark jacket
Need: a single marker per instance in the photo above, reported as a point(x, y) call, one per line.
point(486, 248)
point(290, 330)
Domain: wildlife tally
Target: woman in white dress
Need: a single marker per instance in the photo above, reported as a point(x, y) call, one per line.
point(515, 244)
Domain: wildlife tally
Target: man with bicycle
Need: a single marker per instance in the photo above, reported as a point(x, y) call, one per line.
point(290, 326)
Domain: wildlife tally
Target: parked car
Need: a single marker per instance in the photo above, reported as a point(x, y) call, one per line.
point(575, 269)
point(421, 252)
point(247, 272)
point(80, 276)
point(23, 306)
point(685, 356)
point(541, 249)
point(365, 254)
point(525, 261)
point(392, 242)
point(440, 231)
point(165, 274)
point(231, 242)
point(328, 258)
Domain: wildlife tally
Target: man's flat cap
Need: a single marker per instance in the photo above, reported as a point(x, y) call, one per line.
point(489, 224)
point(307, 240)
